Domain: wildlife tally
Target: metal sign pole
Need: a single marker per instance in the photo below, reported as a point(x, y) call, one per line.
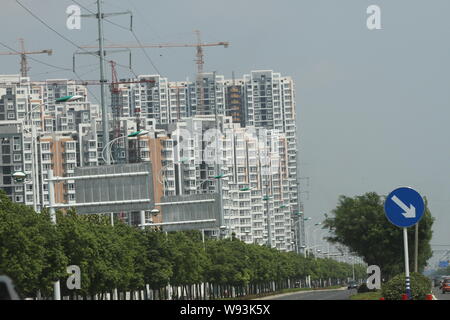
point(407, 276)
point(416, 249)
point(404, 207)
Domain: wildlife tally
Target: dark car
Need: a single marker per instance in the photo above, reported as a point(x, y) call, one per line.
point(352, 285)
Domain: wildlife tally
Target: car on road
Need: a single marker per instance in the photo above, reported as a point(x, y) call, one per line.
point(445, 285)
point(352, 285)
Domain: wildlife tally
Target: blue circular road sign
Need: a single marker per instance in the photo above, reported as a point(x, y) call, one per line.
point(404, 207)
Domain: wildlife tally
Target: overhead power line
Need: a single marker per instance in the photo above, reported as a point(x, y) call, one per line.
point(127, 29)
point(48, 26)
point(104, 19)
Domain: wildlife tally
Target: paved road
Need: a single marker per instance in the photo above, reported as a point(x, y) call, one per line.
point(331, 294)
point(439, 295)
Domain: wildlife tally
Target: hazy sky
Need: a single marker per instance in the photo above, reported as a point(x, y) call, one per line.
point(372, 106)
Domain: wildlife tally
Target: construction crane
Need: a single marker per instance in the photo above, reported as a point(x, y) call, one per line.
point(199, 56)
point(23, 56)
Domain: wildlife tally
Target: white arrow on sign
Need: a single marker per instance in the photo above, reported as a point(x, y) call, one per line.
point(410, 212)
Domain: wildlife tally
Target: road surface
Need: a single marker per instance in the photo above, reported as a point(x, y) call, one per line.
point(439, 295)
point(326, 294)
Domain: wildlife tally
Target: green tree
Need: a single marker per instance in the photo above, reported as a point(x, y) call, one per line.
point(109, 257)
point(128, 256)
point(262, 264)
point(30, 248)
point(229, 263)
point(158, 265)
point(360, 224)
point(188, 259)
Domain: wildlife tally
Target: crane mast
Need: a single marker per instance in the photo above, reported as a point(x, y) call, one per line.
point(23, 56)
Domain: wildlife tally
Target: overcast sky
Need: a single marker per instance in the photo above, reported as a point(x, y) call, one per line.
point(372, 106)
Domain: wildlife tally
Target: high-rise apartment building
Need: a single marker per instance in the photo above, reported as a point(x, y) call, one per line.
point(44, 135)
point(255, 148)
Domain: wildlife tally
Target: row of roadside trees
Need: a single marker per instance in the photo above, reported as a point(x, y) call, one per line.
point(34, 253)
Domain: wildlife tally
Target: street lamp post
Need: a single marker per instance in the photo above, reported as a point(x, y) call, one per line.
point(109, 159)
point(162, 176)
point(154, 213)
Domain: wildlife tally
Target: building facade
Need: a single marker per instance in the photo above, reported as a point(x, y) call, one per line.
point(243, 129)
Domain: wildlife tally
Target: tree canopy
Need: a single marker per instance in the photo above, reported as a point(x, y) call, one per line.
point(34, 253)
point(360, 224)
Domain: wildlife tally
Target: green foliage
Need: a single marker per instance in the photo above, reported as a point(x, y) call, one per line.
point(228, 263)
point(188, 258)
point(35, 253)
point(30, 250)
point(394, 288)
point(360, 224)
point(376, 295)
point(158, 266)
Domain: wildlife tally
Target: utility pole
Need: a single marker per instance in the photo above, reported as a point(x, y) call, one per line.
point(101, 53)
point(100, 16)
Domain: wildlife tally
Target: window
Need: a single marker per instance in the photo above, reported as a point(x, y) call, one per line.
point(70, 145)
point(70, 156)
point(16, 146)
point(44, 146)
point(17, 157)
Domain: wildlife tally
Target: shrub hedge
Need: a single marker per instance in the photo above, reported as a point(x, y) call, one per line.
point(394, 288)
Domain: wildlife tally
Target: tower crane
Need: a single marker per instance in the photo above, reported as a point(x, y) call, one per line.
point(23, 56)
point(199, 56)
